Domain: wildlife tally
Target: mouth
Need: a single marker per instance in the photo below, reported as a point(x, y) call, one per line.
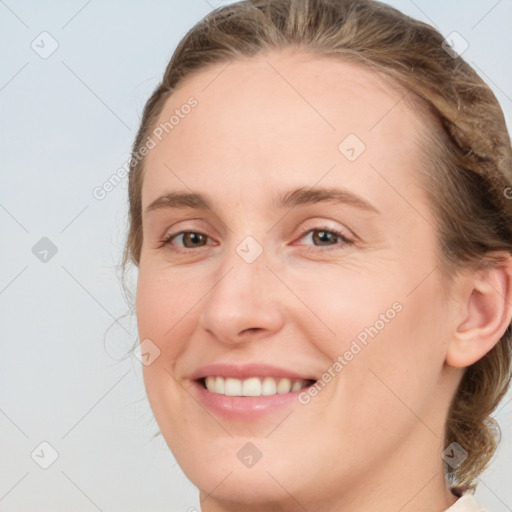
point(253, 386)
point(250, 391)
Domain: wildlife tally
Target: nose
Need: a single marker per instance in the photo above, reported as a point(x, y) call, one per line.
point(245, 301)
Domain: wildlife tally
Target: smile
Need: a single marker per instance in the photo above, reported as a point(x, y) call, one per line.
point(253, 386)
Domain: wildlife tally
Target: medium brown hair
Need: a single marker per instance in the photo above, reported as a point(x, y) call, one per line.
point(468, 157)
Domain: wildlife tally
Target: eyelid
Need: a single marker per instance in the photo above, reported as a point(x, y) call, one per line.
point(323, 224)
point(173, 230)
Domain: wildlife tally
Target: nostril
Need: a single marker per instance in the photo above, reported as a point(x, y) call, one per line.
point(251, 329)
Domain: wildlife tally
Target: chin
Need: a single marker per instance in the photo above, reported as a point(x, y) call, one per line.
point(241, 487)
point(225, 473)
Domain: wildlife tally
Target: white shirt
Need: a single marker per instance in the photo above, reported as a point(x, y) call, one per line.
point(466, 503)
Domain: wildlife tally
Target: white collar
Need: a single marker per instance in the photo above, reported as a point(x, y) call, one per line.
point(466, 503)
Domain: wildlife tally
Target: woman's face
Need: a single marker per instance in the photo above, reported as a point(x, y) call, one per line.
point(304, 251)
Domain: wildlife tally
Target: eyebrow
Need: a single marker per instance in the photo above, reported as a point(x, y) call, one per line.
point(290, 199)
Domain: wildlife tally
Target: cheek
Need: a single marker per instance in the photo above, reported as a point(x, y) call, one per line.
point(163, 307)
point(162, 304)
point(340, 304)
point(399, 370)
point(390, 333)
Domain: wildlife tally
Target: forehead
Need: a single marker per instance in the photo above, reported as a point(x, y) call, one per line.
point(260, 122)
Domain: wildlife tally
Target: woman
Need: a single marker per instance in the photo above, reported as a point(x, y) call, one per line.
point(320, 219)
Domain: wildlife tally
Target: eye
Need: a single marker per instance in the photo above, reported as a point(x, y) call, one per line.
point(326, 237)
point(190, 239)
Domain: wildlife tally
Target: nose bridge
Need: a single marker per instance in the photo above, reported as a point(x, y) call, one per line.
point(243, 295)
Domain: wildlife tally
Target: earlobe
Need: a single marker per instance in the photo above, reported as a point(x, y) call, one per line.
point(487, 314)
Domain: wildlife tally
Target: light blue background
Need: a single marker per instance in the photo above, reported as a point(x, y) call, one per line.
point(67, 124)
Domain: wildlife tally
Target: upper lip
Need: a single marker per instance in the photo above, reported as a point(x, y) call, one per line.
point(245, 371)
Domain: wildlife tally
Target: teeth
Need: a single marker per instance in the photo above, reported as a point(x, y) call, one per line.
point(284, 386)
point(268, 386)
point(251, 387)
point(219, 384)
point(296, 385)
point(233, 387)
point(254, 386)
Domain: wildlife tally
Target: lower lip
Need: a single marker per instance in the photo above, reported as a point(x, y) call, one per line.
point(244, 407)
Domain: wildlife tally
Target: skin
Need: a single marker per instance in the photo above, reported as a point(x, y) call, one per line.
point(372, 438)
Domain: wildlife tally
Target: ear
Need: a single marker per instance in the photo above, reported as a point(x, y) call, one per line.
point(486, 311)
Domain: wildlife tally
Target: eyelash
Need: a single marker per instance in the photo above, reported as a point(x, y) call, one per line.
point(344, 239)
